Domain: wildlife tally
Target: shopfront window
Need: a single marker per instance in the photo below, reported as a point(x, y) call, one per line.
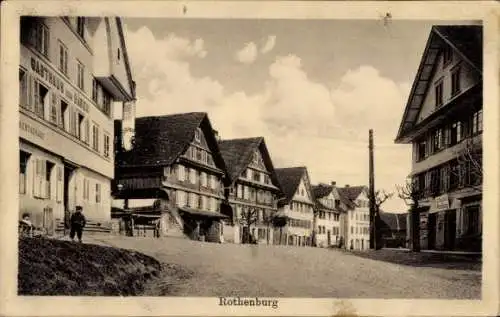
point(472, 219)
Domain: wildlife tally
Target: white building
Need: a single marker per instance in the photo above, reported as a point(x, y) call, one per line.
point(327, 218)
point(297, 207)
point(72, 72)
point(357, 220)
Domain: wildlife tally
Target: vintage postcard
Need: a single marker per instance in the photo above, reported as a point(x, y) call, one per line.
point(249, 158)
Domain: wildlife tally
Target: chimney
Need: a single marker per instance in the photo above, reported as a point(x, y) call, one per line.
point(333, 183)
point(128, 124)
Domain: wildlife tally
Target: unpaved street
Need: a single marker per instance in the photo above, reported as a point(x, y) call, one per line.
point(249, 270)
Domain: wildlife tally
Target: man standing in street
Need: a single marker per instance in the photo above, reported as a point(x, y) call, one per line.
point(77, 224)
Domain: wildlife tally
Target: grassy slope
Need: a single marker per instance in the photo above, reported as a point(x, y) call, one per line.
point(53, 267)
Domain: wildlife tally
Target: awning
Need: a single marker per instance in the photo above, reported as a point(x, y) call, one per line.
point(202, 213)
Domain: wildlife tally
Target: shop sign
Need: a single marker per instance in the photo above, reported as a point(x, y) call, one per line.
point(55, 81)
point(442, 202)
point(31, 130)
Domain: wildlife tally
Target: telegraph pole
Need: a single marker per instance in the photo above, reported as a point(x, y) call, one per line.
point(373, 230)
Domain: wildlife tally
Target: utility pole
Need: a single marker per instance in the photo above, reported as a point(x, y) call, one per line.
point(373, 229)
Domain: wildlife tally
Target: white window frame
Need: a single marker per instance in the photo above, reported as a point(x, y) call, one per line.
point(181, 172)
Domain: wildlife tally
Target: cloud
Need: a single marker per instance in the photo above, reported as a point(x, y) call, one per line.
point(322, 126)
point(248, 54)
point(269, 45)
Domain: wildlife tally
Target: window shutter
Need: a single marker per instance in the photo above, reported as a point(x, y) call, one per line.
point(59, 187)
point(35, 176)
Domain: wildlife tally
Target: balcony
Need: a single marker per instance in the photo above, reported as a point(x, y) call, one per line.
point(444, 155)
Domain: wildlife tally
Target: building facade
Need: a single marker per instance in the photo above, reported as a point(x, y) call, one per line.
point(327, 214)
point(73, 72)
point(357, 220)
point(253, 191)
point(296, 207)
point(176, 159)
point(443, 121)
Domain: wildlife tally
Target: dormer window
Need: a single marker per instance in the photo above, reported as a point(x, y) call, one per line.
point(197, 135)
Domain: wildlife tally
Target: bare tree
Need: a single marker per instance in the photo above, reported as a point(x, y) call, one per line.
point(249, 217)
point(410, 193)
point(470, 168)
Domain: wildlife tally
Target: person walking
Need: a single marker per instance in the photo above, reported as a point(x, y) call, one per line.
point(78, 222)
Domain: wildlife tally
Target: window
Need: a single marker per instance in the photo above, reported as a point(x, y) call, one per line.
point(53, 109)
point(80, 131)
point(198, 154)
point(181, 173)
point(193, 200)
point(80, 80)
point(41, 96)
point(106, 145)
point(256, 176)
point(39, 178)
point(455, 81)
point(23, 164)
point(42, 39)
point(23, 89)
point(197, 135)
point(106, 103)
point(213, 182)
point(87, 131)
point(64, 114)
point(244, 174)
point(203, 179)
point(477, 122)
point(97, 193)
point(438, 91)
point(192, 176)
point(95, 137)
point(95, 86)
point(437, 140)
point(181, 198)
point(239, 191)
point(447, 55)
point(421, 150)
point(454, 175)
point(86, 189)
point(80, 27)
point(48, 175)
point(63, 58)
point(455, 133)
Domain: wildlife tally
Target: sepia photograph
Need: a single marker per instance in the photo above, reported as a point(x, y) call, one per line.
point(249, 160)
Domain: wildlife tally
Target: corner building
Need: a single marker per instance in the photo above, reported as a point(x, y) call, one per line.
point(73, 71)
point(443, 120)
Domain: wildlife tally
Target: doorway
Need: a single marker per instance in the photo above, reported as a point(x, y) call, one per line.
point(432, 231)
point(329, 238)
point(450, 220)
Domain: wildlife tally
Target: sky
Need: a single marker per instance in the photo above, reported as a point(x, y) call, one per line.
point(311, 88)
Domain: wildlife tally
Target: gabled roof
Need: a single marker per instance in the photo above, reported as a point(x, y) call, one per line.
point(466, 40)
point(321, 190)
point(160, 140)
point(289, 179)
point(238, 153)
point(349, 194)
point(393, 220)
